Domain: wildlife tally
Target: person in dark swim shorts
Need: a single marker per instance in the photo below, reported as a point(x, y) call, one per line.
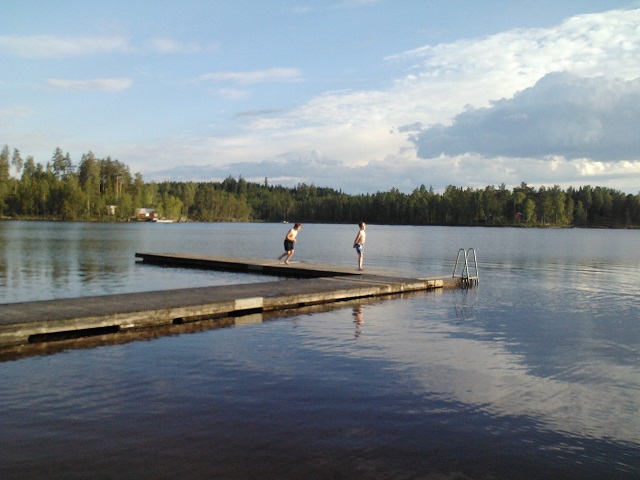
point(289, 242)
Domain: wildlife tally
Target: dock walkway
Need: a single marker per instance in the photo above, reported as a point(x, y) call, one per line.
point(29, 322)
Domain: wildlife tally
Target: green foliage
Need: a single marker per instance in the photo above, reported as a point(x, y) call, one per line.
point(104, 189)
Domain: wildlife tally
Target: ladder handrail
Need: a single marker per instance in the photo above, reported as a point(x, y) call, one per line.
point(464, 275)
point(455, 267)
point(475, 261)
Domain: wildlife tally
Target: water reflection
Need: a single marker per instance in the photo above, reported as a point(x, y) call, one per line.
point(446, 355)
point(46, 260)
point(358, 319)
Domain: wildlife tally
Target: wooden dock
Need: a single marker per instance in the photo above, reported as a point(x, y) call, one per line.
point(43, 321)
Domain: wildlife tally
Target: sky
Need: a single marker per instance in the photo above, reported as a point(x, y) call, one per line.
point(358, 95)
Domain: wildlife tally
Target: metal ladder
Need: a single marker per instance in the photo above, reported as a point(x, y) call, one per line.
point(466, 279)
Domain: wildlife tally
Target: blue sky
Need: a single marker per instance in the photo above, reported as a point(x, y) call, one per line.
point(358, 95)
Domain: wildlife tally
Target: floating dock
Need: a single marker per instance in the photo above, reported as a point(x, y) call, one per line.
point(42, 321)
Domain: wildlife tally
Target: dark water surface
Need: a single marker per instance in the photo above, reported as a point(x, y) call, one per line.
point(535, 374)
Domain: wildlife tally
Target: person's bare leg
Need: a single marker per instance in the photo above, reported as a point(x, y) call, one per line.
point(289, 255)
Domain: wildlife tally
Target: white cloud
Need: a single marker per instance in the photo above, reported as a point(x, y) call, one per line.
point(258, 113)
point(53, 46)
point(57, 46)
point(445, 78)
point(255, 76)
point(113, 85)
point(232, 93)
point(355, 3)
point(341, 5)
point(16, 111)
point(171, 46)
point(167, 45)
point(562, 114)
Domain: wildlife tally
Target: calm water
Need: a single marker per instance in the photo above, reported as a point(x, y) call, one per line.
point(534, 374)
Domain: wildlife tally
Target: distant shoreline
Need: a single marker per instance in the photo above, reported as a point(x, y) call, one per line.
point(504, 225)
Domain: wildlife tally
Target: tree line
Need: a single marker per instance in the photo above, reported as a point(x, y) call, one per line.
point(104, 189)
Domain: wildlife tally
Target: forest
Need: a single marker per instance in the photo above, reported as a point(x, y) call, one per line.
point(103, 189)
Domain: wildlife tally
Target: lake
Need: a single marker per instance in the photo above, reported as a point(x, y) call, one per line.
point(533, 374)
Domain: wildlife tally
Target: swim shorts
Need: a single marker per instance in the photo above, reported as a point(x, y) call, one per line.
point(359, 247)
point(288, 245)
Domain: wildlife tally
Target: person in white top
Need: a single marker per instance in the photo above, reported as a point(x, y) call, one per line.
point(289, 242)
point(358, 244)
